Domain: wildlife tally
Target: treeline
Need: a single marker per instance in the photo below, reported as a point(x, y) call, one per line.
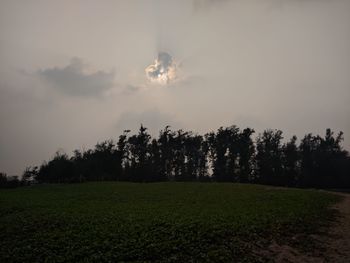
point(10, 181)
point(227, 155)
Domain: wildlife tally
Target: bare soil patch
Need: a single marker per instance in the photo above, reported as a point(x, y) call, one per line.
point(334, 244)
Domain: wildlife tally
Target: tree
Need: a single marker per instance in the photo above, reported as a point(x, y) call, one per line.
point(269, 157)
point(290, 163)
point(166, 144)
point(323, 161)
point(246, 151)
point(122, 156)
point(140, 164)
point(9, 181)
point(194, 156)
point(227, 155)
point(233, 146)
point(30, 174)
point(218, 149)
point(106, 158)
point(3, 180)
point(59, 170)
point(203, 166)
point(179, 157)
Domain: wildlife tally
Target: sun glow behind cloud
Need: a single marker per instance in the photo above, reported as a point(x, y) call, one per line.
point(163, 70)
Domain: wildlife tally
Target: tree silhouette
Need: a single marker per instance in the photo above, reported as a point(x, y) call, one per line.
point(218, 148)
point(290, 162)
point(9, 181)
point(140, 163)
point(166, 144)
point(227, 155)
point(59, 170)
point(29, 174)
point(246, 151)
point(269, 157)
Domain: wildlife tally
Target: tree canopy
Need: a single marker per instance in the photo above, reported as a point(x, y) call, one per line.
point(228, 155)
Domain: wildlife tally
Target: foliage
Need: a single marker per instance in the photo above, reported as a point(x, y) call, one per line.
point(227, 155)
point(9, 181)
point(160, 222)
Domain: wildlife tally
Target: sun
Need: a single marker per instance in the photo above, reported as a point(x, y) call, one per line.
point(163, 70)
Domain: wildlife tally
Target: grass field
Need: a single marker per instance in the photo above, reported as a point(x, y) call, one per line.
point(166, 222)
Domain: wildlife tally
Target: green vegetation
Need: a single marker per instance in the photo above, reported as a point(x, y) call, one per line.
point(167, 222)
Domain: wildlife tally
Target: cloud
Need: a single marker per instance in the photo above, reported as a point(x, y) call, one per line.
point(131, 89)
point(74, 81)
point(200, 4)
point(163, 70)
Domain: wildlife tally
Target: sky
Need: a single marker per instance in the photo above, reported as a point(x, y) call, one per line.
point(73, 73)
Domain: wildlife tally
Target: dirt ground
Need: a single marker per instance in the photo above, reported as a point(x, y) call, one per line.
point(335, 244)
point(338, 244)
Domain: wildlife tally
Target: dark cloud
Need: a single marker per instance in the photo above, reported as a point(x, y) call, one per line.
point(72, 79)
point(131, 89)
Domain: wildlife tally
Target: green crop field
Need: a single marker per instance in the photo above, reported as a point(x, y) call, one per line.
point(157, 222)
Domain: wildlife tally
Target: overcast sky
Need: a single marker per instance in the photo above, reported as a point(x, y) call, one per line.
point(73, 72)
